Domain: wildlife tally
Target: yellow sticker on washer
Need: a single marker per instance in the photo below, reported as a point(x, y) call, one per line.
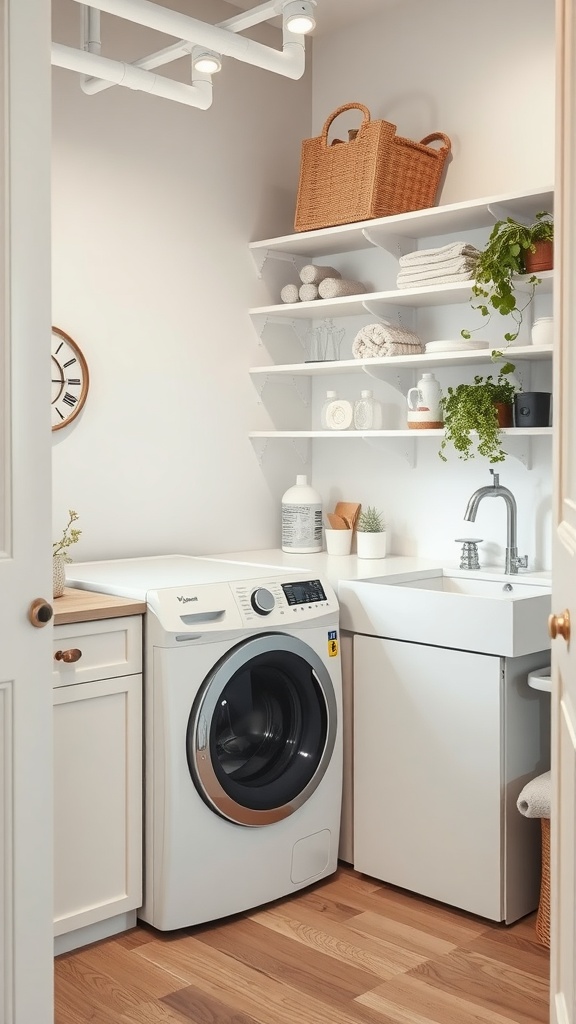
point(332, 644)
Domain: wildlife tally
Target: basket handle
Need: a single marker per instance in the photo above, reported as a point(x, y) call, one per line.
point(435, 137)
point(340, 110)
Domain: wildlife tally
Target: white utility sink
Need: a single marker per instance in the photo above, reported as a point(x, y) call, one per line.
point(502, 615)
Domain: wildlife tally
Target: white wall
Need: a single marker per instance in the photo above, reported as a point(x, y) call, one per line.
point(154, 204)
point(153, 207)
point(483, 75)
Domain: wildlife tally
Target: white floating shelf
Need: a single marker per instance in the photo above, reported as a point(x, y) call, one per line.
point(380, 303)
point(415, 434)
point(438, 220)
point(391, 363)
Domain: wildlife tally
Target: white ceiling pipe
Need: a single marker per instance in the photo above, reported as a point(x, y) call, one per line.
point(155, 60)
point(199, 94)
point(90, 29)
point(255, 16)
point(289, 61)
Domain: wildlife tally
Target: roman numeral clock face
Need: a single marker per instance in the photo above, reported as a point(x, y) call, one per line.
point(69, 379)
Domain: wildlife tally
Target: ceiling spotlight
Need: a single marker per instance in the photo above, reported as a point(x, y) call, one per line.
point(206, 61)
point(298, 16)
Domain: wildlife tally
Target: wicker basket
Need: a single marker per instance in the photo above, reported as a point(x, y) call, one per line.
point(543, 915)
point(374, 174)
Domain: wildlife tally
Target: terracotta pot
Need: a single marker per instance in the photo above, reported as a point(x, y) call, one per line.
point(542, 259)
point(505, 413)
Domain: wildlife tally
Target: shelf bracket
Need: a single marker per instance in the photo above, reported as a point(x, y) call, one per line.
point(403, 447)
point(261, 255)
point(302, 449)
point(262, 320)
point(400, 380)
point(519, 448)
point(502, 212)
point(396, 245)
point(259, 445)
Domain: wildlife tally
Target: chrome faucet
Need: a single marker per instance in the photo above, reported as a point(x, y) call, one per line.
point(513, 560)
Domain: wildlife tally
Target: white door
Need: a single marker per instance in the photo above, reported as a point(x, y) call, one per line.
point(25, 532)
point(563, 824)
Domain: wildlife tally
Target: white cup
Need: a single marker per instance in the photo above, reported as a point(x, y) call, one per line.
point(338, 542)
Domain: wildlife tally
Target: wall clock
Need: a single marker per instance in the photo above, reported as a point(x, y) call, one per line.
point(70, 379)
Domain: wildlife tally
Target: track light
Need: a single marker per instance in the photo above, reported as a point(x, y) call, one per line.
point(298, 16)
point(206, 61)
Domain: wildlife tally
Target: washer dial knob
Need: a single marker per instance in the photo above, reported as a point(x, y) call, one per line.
point(262, 601)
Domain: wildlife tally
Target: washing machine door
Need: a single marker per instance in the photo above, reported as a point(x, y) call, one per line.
point(262, 730)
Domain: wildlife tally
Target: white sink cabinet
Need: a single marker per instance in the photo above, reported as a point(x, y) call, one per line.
point(444, 740)
point(97, 779)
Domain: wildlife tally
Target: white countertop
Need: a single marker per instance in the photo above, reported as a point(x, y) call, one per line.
point(340, 568)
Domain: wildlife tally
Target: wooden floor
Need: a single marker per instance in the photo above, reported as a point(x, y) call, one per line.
point(348, 951)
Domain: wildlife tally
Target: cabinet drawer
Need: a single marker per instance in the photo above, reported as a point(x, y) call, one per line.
point(108, 648)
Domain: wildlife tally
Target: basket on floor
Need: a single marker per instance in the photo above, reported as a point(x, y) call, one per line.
point(543, 915)
point(375, 174)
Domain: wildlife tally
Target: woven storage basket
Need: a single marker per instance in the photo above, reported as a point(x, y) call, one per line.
point(375, 174)
point(543, 915)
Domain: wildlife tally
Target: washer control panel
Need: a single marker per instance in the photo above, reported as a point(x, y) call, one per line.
point(283, 603)
point(262, 601)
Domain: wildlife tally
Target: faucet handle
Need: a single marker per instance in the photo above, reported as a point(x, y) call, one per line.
point(521, 561)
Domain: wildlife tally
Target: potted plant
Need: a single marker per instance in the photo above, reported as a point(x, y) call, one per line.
point(60, 556)
point(481, 408)
point(509, 252)
point(371, 534)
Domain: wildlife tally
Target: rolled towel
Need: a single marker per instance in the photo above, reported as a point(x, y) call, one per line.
point(385, 339)
point(308, 292)
point(313, 275)
point(535, 799)
point(425, 257)
point(289, 293)
point(334, 287)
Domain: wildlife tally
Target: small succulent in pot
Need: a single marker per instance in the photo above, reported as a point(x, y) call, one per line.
point(371, 520)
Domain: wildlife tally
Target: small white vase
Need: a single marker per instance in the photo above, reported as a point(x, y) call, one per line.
point(58, 575)
point(543, 331)
point(371, 545)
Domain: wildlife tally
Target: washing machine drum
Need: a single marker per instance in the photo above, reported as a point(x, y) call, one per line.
point(262, 730)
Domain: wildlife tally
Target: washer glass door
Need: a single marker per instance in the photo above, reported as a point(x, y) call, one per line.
point(262, 730)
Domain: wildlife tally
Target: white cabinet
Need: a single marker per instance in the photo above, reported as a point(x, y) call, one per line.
point(396, 235)
point(444, 742)
point(98, 778)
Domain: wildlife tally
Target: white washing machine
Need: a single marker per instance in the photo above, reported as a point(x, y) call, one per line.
point(243, 738)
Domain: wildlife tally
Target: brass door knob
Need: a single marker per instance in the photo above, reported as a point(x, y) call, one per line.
point(40, 612)
point(72, 654)
point(559, 625)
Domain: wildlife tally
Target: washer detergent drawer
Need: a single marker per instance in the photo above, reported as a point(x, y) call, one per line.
point(85, 651)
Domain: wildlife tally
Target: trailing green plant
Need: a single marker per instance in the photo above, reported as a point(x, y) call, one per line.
point(470, 409)
point(371, 520)
point(502, 259)
point(70, 535)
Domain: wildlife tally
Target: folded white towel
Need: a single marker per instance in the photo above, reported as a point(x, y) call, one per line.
point(333, 288)
point(313, 275)
point(460, 265)
point(426, 281)
point(445, 252)
point(535, 799)
point(289, 293)
point(384, 339)
point(308, 292)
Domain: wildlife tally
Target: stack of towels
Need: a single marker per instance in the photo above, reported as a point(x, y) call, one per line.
point(448, 263)
point(385, 340)
point(320, 283)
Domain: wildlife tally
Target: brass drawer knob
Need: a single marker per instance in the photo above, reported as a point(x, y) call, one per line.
point(73, 654)
point(559, 625)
